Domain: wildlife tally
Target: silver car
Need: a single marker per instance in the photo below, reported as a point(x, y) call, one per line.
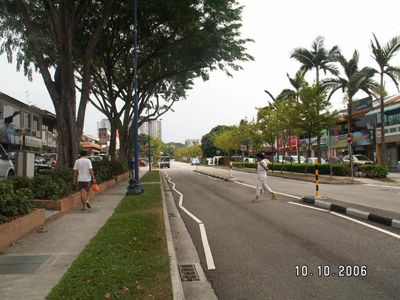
point(358, 160)
point(6, 165)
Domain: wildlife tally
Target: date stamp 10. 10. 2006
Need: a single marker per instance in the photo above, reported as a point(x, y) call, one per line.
point(329, 271)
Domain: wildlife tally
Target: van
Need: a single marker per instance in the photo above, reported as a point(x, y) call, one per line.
point(165, 162)
point(6, 165)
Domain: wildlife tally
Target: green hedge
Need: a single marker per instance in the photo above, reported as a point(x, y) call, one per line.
point(14, 202)
point(374, 171)
point(337, 169)
point(16, 193)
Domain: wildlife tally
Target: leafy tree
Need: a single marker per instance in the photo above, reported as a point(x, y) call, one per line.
point(179, 42)
point(318, 58)
point(226, 141)
point(60, 35)
point(383, 56)
point(207, 141)
point(314, 115)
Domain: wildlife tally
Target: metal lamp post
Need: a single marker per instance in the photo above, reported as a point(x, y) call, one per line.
point(134, 187)
point(148, 125)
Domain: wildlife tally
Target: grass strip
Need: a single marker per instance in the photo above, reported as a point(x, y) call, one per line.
point(128, 258)
point(152, 176)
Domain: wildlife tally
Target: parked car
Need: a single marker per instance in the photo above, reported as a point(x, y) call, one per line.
point(39, 159)
point(312, 160)
point(358, 160)
point(6, 165)
point(164, 162)
point(294, 159)
point(195, 162)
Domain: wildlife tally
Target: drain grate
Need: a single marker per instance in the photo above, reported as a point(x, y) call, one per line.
point(188, 273)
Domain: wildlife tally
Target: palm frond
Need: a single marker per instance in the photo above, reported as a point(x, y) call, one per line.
point(391, 48)
point(269, 94)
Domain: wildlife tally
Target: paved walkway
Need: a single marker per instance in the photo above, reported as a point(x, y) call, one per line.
point(36, 263)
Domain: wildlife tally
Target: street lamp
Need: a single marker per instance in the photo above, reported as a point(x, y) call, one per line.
point(134, 187)
point(148, 127)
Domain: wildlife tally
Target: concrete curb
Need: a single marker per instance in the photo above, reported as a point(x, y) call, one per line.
point(352, 212)
point(177, 288)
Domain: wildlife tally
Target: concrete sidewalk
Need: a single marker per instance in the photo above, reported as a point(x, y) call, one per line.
point(36, 263)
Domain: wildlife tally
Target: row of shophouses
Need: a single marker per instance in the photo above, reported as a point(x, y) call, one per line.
point(365, 136)
point(27, 127)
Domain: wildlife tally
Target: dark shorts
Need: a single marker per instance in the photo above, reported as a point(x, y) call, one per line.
point(84, 185)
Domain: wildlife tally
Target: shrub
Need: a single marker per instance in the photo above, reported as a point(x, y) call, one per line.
point(19, 182)
point(13, 203)
point(66, 174)
point(45, 187)
point(102, 171)
point(374, 171)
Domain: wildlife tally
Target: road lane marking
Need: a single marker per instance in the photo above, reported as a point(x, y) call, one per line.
point(207, 249)
point(307, 206)
point(367, 225)
point(204, 239)
point(248, 185)
point(198, 221)
point(383, 186)
point(254, 187)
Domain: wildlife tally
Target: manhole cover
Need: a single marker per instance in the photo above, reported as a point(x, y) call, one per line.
point(188, 273)
point(21, 264)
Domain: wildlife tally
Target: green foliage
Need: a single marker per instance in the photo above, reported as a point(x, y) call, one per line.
point(20, 182)
point(14, 202)
point(45, 187)
point(374, 171)
point(207, 141)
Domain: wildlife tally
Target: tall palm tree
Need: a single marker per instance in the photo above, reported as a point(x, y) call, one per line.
point(383, 56)
point(297, 82)
point(356, 80)
point(317, 58)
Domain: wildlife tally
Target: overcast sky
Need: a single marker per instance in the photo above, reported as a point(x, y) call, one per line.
point(277, 28)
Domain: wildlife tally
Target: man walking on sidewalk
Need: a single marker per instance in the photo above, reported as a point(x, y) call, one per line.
point(83, 176)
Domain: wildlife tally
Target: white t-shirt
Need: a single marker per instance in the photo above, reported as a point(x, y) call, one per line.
point(261, 171)
point(83, 165)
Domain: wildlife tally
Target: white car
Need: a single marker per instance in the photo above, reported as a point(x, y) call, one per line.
point(195, 162)
point(6, 165)
point(358, 160)
point(312, 160)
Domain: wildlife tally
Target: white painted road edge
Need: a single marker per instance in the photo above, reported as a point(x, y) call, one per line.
point(254, 187)
point(307, 206)
point(204, 239)
point(367, 225)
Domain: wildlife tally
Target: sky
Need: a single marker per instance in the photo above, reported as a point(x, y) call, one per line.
point(277, 27)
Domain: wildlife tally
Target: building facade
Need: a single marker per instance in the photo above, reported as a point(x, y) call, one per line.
point(26, 127)
point(155, 129)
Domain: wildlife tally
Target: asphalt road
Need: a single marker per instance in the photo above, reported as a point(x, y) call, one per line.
point(385, 196)
point(256, 247)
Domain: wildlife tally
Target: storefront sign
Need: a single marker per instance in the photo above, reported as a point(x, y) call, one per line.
point(34, 142)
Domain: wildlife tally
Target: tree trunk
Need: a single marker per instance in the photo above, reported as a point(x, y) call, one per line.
point(382, 156)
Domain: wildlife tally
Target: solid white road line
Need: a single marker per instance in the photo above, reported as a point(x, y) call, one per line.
point(248, 185)
point(307, 206)
point(254, 187)
point(367, 225)
point(207, 249)
point(287, 195)
point(384, 186)
point(191, 215)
